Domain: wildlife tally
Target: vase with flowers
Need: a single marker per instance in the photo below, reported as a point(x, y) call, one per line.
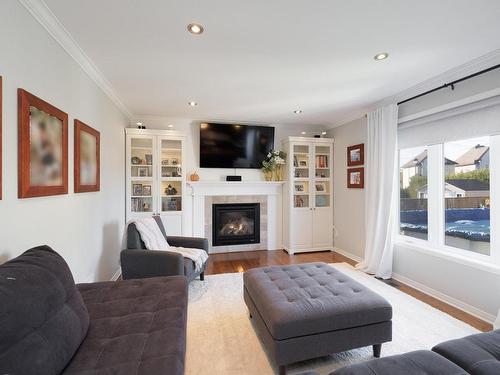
point(273, 166)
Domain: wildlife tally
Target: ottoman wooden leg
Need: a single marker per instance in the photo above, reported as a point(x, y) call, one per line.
point(376, 350)
point(282, 370)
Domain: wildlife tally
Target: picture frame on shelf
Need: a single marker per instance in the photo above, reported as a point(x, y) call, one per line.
point(356, 178)
point(298, 201)
point(146, 190)
point(299, 187)
point(320, 187)
point(42, 147)
point(356, 155)
point(142, 172)
point(87, 158)
point(303, 163)
point(136, 189)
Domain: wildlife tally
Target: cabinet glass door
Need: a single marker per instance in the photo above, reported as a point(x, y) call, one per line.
point(301, 176)
point(171, 175)
point(141, 174)
point(322, 182)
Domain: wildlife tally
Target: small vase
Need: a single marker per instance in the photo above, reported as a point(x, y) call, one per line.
point(268, 175)
point(278, 173)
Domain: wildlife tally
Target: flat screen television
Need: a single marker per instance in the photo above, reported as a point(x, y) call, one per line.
point(234, 145)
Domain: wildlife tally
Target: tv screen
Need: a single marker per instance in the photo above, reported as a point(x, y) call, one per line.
point(234, 145)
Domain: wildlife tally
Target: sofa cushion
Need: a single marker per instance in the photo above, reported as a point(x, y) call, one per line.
point(137, 327)
point(477, 354)
point(421, 362)
point(310, 298)
point(43, 319)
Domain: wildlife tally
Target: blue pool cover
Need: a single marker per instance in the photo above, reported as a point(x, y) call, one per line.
point(469, 223)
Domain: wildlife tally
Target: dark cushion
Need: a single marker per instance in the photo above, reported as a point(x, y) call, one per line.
point(311, 298)
point(43, 319)
point(420, 362)
point(477, 354)
point(137, 327)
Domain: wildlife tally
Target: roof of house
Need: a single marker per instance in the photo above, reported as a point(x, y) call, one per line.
point(473, 155)
point(469, 184)
point(421, 157)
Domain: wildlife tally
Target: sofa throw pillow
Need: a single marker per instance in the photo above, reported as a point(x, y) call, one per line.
point(43, 318)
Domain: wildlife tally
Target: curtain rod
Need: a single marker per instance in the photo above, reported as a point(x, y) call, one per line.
point(451, 84)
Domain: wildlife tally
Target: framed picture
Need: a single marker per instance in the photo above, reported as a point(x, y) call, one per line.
point(136, 189)
point(356, 155)
point(356, 178)
point(302, 163)
point(1, 137)
point(299, 188)
point(149, 159)
point(87, 158)
point(42, 147)
point(320, 187)
point(146, 190)
point(298, 201)
point(142, 171)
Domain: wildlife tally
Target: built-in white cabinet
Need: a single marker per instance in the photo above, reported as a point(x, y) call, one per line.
point(308, 196)
point(156, 176)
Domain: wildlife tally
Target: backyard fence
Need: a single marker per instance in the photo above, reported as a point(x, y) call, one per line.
point(409, 204)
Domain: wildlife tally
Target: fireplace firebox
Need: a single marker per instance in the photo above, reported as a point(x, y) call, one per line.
point(235, 224)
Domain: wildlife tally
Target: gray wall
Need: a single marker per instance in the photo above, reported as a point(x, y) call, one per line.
point(348, 204)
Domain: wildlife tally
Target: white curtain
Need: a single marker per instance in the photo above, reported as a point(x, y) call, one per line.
point(496, 325)
point(381, 164)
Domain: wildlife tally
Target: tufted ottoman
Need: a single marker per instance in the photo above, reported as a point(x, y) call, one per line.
point(310, 310)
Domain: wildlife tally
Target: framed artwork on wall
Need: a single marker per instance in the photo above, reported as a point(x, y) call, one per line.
point(42, 147)
point(356, 178)
point(356, 155)
point(87, 158)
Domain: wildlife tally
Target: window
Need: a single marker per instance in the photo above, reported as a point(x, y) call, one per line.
point(467, 195)
point(413, 163)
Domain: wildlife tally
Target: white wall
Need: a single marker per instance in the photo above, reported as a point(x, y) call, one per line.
point(192, 129)
point(470, 288)
point(348, 204)
point(86, 229)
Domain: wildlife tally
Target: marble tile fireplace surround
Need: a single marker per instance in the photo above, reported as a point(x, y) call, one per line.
point(268, 196)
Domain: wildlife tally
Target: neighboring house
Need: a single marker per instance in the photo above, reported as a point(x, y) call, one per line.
point(477, 157)
point(418, 167)
point(460, 188)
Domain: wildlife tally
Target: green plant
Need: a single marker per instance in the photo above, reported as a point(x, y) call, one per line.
point(274, 159)
point(478, 174)
point(416, 183)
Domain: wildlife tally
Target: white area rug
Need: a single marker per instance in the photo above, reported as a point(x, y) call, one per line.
point(221, 338)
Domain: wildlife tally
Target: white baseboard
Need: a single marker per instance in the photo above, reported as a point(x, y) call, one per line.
point(347, 254)
point(474, 311)
point(116, 275)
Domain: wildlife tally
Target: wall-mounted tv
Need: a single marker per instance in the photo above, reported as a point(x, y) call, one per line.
point(234, 145)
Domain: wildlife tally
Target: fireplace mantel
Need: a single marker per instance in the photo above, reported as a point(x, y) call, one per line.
point(213, 188)
point(270, 191)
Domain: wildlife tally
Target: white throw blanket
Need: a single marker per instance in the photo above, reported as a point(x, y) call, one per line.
point(153, 238)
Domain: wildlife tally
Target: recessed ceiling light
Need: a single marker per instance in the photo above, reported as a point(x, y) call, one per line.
point(170, 126)
point(303, 133)
point(381, 56)
point(138, 123)
point(195, 28)
point(297, 111)
point(192, 104)
point(323, 133)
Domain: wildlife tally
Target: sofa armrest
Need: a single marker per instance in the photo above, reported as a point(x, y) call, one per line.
point(139, 264)
point(189, 242)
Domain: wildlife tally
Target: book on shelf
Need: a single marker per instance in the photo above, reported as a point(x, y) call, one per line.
point(321, 161)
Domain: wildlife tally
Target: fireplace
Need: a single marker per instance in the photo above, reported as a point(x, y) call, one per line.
point(235, 224)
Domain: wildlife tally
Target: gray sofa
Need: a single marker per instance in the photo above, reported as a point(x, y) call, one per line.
point(138, 263)
point(475, 355)
point(49, 325)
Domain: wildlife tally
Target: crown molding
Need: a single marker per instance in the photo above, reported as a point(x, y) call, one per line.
point(483, 62)
point(41, 12)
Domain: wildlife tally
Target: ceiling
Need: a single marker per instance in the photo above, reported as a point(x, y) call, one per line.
point(259, 60)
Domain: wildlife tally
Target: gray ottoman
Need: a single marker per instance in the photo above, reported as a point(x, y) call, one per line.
point(310, 310)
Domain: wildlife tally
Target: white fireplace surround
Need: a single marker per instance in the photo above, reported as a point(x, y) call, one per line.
point(270, 190)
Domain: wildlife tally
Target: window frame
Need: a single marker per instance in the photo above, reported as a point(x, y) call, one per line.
point(435, 243)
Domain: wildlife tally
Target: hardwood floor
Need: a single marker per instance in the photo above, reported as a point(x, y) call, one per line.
point(240, 262)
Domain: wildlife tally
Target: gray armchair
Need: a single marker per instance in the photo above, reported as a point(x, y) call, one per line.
point(139, 263)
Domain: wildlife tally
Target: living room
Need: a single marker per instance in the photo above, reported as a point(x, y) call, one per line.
point(249, 187)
